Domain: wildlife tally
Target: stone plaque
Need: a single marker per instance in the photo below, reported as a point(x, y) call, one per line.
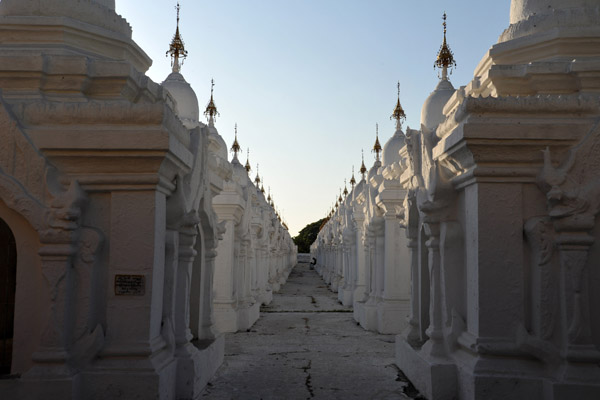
point(130, 285)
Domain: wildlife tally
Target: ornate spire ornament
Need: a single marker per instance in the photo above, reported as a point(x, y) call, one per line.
point(445, 58)
point(269, 198)
point(247, 166)
point(398, 113)
point(257, 179)
point(352, 180)
point(262, 188)
point(340, 197)
point(363, 169)
point(345, 189)
point(235, 147)
point(177, 49)
point(377, 146)
point(211, 109)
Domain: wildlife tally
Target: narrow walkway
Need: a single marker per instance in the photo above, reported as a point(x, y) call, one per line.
point(307, 346)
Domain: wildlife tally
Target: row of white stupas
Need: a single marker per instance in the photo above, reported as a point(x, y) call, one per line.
point(255, 252)
point(476, 237)
point(129, 241)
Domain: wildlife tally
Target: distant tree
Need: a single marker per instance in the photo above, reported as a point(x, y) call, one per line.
point(307, 236)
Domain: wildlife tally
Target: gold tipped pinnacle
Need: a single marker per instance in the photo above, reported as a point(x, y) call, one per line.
point(247, 166)
point(352, 180)
point(211, 109)
point(377, 146)
point(257, 179)
point(177, 49)
point(398, 113)
point(363, 169)
point(345, 189)
point(235, 147)
point(445, 58)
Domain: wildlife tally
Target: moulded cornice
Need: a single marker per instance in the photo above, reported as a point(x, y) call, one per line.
point(74, 36)
point(501, 139)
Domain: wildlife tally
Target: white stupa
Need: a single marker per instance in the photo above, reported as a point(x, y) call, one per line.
point(186, 102)
point(391, 149)
point(432, 112)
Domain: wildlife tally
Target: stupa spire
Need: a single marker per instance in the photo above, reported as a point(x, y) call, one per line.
point(352, 180)
point(257, 179)
point(235, 147)
point(377, 146)
point(345, 189)
point(247, 166)
point(445, 58)
point(398, 113)
point(363, 168)
point(211, 109)
point(177, 49)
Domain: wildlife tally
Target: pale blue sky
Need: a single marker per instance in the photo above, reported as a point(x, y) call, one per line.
point(306, 80)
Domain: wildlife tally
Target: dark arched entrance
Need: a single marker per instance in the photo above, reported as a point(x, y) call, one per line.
point(8, 284)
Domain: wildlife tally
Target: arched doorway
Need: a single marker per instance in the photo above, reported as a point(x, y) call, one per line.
point(8, 284)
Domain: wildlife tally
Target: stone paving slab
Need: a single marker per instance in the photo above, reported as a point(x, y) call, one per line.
point(307, 346)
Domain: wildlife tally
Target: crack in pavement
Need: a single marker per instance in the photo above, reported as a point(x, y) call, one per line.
point(307, 381)
point(306, 326)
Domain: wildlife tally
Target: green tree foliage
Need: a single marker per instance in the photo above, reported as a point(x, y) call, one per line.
point(307, 236)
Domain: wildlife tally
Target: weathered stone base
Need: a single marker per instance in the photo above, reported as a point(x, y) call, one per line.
point(359, 293)
point(225, 317)
point(435, 379)
point(335, 282)
point(392, 316)
point(468, 377)
point(211, 355)
point(359, 311)
point(345, 296)
point(265, 297)
point(247, 316)
point(369, 320)
point(125, 377)
point(275, 287)
point(54, 389)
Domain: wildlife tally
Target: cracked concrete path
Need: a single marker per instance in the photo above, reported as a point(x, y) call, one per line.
point(306, 345)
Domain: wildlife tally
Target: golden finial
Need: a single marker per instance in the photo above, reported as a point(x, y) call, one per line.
point(345, 189)
point(235, 147)
point(445, 58)
point(211, 109)
point(262, 188)
point(269, 198)
point(176, 48)
point(340, 198)
point(247, 166)
point(352, 180)
point(377, 146)
point(363, 169)
point(398, 113)
point(257, 179)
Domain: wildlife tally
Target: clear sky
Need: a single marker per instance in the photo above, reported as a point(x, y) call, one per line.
point(306, 80)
